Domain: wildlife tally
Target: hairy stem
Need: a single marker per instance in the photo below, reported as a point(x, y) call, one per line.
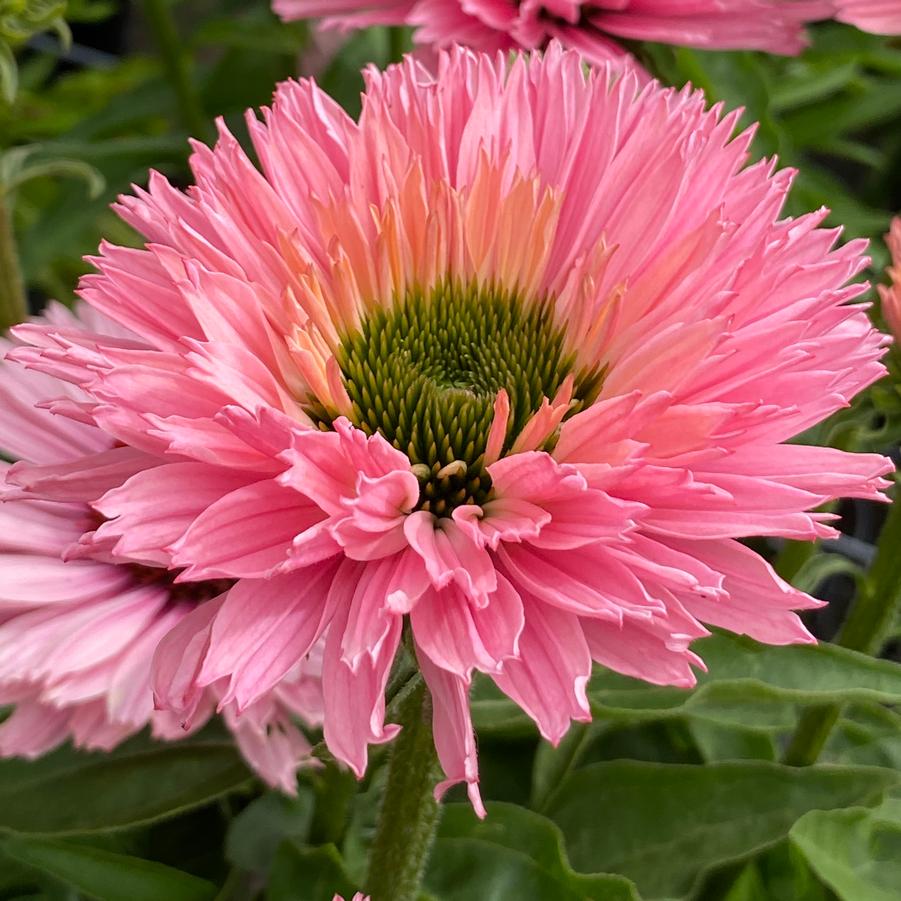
point(409, 814)
point(13, 302)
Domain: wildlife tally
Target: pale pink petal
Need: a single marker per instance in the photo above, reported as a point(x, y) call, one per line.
point(247, 533)
point(459, 636)
point(549, 677)
point(264, 628)
point(451, 556)
point(355, 700)
point(452, 728)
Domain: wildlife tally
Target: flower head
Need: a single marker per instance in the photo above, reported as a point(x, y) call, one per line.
point(595, 28)
point(513, 360)
point(77, 630)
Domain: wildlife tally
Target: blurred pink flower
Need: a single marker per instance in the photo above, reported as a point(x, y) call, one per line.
point(78, 632)
point(595, 28)
point(877, 16)
point(359, 896)
point(890, 294)
point(513, 359)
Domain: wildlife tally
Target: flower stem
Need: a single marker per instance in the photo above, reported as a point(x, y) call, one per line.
point(865, 629)
point(13, 301)
point(175, 62)
point(397, 43)
point(409, 814)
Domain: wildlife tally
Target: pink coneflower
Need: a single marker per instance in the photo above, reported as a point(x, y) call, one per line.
point(77, 632)
point(877, 16)
point(513, 360)
point(595, 28)
point(890, 294)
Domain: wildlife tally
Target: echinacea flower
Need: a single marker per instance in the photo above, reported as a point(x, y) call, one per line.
point(890, 294)
point(77, 632)
point(877, 16)
point(596, 28)
point(511, 362)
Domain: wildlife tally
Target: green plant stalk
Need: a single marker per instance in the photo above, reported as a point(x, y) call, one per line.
point(409, 814)
point(13, 300)
point(397, 43)
point(866, 629)
point(176, 63)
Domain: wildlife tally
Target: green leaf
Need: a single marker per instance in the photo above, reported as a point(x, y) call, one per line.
point(662, 825)
point(308, 874)
point(747, 684)
point(748, 887)
point(513, 853)
point(856, 852)
point(70, 792)
point(760, 678)
point(257, 832)
point(103, 875)
point(18, 166)
point(9, 73)
point(718, 742)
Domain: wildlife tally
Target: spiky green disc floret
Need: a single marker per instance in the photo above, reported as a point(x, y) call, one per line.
point(425, 371)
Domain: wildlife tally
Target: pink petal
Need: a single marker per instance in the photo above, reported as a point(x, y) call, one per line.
point(355, 700)
point(263, 630)
point(458, 636)
point(549, 677)
point(245, 534)
point(452, 729)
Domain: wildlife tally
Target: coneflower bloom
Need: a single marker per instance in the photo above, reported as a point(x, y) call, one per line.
point(596, 28)
point(890, 294)
point(514, 360)
point(78, 632)
point(877, 16)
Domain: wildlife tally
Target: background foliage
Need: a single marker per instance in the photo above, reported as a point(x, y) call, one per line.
point(668, 794)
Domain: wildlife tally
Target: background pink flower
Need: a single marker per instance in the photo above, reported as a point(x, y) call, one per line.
point(890, 294)
point(877, 16)
point(512, 362)
point(78, 631)
point(594, 28)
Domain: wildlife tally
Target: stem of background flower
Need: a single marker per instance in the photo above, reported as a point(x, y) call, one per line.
point(409, 814)
point(397, 44)
point(866, 628)
point(175, 62)
point(13, 301)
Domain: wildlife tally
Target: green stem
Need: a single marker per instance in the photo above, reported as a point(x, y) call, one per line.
point(176, 63)
point(866, 629)
point(13, 301)
point(397, 43)
point(409, 814)
point(792, 557)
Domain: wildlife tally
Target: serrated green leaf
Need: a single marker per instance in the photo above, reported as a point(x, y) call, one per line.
point(103, 875)
point(747, 684)
point(716, 741)
point(513, 853)
point(867, 735)
point(856, 852)
point(663, 825)
point(70, 792)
